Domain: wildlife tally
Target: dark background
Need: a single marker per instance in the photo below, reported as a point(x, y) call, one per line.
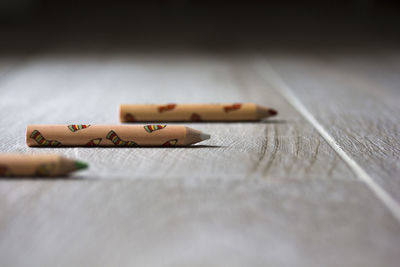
point(199, 25)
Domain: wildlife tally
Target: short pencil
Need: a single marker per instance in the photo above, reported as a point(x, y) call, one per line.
point(194, 112)
point(40, 165)
point(112, 135)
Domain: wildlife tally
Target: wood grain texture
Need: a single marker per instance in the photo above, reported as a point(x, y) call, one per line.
point(58, 89)
point(356, 99)
point(194, 223)
point(256, 194)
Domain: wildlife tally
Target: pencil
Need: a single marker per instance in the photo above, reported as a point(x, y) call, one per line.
point(112, 135)
point(16, 165)
point(194, 112)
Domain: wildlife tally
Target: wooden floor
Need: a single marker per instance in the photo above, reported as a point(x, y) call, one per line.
point(318, 185)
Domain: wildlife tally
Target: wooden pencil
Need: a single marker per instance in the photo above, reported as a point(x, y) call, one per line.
point(17, 165)
point(112, 135)
point(194, 112)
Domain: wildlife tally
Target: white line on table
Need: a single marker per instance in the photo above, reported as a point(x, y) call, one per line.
point(274, 78)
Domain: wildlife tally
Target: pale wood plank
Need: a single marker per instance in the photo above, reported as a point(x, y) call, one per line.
point(194, 223)
point(183, 207)
point(63, 89)
point(358, 109)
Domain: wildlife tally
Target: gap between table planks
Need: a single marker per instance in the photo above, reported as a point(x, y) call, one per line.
point(356, 102)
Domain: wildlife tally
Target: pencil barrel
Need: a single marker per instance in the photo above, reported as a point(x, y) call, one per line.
point(188, 112)
point(14, 165)
point(106, 135)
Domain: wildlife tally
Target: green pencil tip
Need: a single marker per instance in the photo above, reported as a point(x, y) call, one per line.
point(79, 165)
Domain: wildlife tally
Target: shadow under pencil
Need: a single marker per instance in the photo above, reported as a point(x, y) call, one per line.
point(267, 121)
point(136, 147)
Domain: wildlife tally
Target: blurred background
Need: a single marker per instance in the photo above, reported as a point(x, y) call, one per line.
point(99, 25)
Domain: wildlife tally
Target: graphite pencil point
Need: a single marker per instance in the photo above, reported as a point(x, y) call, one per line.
point(204, 136)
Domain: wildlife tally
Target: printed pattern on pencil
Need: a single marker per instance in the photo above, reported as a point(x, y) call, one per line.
point(77, 127)
point(129, 117)
point(152, 128)
point(171, 142)
point(113, 137)
point(195, 117)
point(167, 107)
point(94, 142)
point(38, 137)
point(4, 171)
point(46, 169)
point(232, 107)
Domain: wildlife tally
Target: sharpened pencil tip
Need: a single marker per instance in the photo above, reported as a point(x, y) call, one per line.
point(204, 136)
point(264, 112)
point(272, 112)
point(79, 165)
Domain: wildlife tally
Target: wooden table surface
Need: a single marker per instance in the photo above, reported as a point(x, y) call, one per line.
point(318, 185)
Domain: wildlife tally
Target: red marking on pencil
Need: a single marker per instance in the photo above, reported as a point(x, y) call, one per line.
point(167, 107)
point(232, 107)
point(129, 117)
point(94, 142)
point(171, 142)
point(195, 117)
